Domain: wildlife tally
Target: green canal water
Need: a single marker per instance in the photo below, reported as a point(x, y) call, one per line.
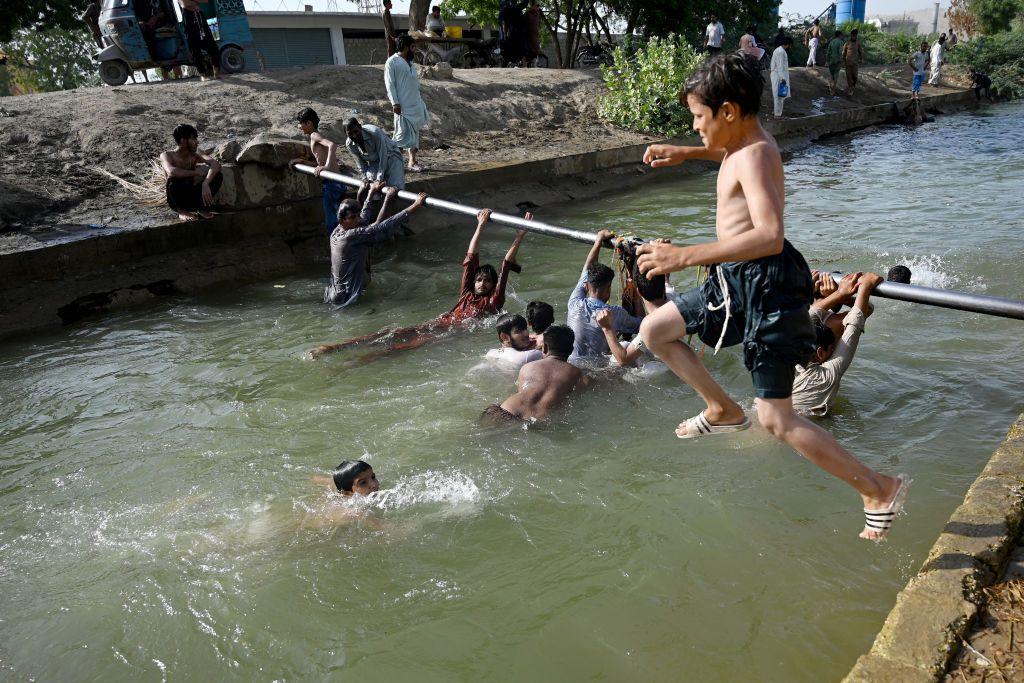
point(157, 519)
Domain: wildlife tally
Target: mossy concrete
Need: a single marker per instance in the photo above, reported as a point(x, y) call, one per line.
point(938, 606)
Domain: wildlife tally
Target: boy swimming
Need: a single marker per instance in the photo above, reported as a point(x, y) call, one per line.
point(758, 290)
point(482, 294)
point(540, 316)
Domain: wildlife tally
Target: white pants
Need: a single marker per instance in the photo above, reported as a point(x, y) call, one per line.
point(812, 56)
point(936, 74)
point(779, 101)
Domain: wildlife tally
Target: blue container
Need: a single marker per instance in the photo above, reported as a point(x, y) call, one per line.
point(850, 10)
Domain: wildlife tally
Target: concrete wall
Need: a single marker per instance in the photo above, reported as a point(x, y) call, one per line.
point(938, 606)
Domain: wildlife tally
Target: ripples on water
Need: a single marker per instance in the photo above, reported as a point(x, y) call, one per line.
point(158, 518)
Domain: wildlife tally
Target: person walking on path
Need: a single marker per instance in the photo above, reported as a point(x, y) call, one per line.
point(938, 58)
point(834, 60)
point(813, 42)
point(403, 87)
point(920, 63)
point(713, 35)
point(780, 75)
point(389, 27)
point(853, 55)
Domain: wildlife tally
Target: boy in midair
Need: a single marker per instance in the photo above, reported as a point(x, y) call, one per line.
point(325, 151)
point(758, 290)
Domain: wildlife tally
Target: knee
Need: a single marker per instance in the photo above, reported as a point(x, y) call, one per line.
point(771, 419)
point(649, 332)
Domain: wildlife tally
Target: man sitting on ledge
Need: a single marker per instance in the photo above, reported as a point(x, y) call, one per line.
point(193, 177)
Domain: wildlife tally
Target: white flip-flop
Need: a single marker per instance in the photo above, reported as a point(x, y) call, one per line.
point(881, 520)
point(698, 427)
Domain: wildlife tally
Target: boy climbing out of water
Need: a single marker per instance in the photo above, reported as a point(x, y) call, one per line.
point(758, 289)
point(352, 239)
point(325, 151)
point(542, 384)
point(482, 294)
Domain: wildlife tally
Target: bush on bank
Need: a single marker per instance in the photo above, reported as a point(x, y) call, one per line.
point(1000, 56)
point(644, 82)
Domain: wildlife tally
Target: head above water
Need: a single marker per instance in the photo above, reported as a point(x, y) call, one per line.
point(558, 342)
point(824, 342)
point(185, 131)
point(724, 95)
point(599, 281)
point(348, 214)
point(513, 332)
point(540, 316)
point(899, 274)
point(355, 477)
point(485, 281)
point(308, 119)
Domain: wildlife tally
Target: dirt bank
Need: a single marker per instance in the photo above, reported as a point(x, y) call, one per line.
point(52, 144)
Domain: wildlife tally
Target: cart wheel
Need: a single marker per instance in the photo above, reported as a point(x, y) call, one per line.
point(114, 72)
point(232, 60)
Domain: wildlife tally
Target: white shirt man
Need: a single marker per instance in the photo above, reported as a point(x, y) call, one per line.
point(938, 56)
point(714, 34)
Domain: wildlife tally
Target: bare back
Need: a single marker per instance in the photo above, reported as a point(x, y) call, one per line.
point(750, 187)
point(542, 384)
point(318, 145)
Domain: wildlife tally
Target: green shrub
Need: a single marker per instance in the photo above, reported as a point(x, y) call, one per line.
point(644, 82)
point(997, 55)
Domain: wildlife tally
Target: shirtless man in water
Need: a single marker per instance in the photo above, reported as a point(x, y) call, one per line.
point(542, 384)
point(758, 289)
point(193, 177)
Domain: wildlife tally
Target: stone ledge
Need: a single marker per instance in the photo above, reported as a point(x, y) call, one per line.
point(923, 631)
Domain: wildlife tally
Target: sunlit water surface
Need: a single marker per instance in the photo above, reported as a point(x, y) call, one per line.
point(157, 520)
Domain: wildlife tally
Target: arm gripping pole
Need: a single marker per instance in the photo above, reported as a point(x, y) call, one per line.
point(961, 301)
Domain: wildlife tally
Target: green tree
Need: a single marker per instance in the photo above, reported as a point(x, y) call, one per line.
point(34, 14)
point(996, 16)
point(52, 59)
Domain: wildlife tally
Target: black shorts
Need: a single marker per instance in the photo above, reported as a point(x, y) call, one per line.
point(495, 415)
point(768, 314)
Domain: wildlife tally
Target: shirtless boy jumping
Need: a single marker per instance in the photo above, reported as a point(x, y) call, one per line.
point(542, 384)
point(758, 290)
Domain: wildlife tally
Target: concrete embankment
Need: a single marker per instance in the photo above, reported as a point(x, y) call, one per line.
point(278, 225)
point(938, 606)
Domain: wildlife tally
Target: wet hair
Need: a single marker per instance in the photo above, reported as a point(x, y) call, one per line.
point(599, 275)
point(559, 340)
point(347, 209)
point(508, 323)
point(345, 474)
point(352, 123)
point(823, 336)
point(899, 274)
point(487, 269)
point(651, 289)
point(540, 315)
point(403, 41)
point(307, 115)
point(184, 131)
point(730, 77)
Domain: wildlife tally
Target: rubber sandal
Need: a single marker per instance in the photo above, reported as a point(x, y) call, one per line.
point(881, 519)
point(698, 427)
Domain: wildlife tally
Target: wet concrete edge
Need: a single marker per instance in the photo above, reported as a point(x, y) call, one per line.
point(62, 282)
point(934, 611)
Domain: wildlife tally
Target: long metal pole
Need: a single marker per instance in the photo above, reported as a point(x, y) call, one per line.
point(943, 298)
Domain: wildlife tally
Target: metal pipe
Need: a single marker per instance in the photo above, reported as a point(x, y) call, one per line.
point(943, 298)
point(503, 218)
